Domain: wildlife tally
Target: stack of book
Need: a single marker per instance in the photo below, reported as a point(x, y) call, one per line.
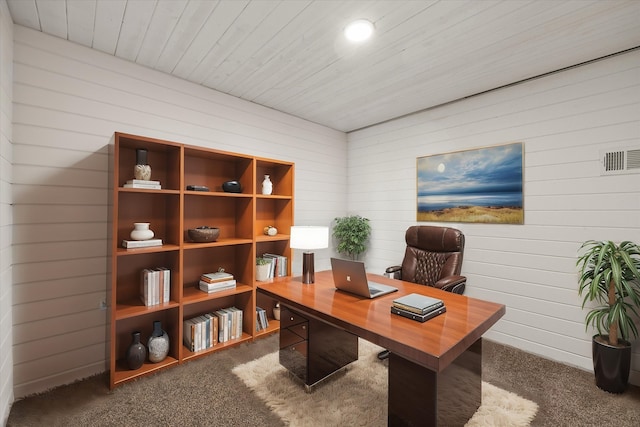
point(418, 307)
point(229, 324)
point(141, 183)
point(201, 332)
point(278, 266)
point(216, 282)
point(262, 321)
point(155, 286)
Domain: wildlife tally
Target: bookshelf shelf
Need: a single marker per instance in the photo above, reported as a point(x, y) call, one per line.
point(135, 307)
point(171, 211)
point(188, 354)
point(192, 294)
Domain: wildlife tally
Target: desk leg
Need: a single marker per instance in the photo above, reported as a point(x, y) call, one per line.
point(421, 397)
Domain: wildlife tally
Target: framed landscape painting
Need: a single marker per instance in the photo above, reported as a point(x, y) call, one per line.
point(482, 185)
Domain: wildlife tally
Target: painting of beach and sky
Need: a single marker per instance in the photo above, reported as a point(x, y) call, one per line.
point(481, 185)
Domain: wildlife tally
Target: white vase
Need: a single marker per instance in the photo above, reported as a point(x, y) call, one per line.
point(276, 313)
point(267, 185)
point(141, 231)
point(158, 343)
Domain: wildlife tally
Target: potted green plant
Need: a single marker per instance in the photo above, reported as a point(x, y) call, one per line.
point(352, 233)
point(610, 276)
point(262, 269)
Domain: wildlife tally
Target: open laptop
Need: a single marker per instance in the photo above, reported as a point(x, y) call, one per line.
point(350, 276)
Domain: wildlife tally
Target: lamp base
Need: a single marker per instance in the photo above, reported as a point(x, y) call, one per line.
point(307, 268)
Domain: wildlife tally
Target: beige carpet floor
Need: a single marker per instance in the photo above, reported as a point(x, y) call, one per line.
point(205, 392)
point(359, 396)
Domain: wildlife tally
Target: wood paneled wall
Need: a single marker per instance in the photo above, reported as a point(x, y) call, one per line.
point(6, 217)
point(564, 120)
point(68, 101)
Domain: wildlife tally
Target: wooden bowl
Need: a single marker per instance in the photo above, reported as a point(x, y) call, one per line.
point(203, 234)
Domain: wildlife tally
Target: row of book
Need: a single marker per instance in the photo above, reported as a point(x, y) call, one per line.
point(205, 331)
point(216, 282)
point(155, 286)
point(262, 322)
point(278, 265)
point(418, 307)
point(201, 333)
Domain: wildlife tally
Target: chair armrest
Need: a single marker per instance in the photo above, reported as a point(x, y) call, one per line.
point(394, 272)
point(455, 284)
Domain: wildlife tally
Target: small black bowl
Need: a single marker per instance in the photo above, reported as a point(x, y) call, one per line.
point(232, 187)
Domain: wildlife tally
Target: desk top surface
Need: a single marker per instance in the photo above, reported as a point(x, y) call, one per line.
point(434, 343)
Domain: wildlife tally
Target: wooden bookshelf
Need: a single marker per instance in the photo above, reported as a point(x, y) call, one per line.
point(173, 210)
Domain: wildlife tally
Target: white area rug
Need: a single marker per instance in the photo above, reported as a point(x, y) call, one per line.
point(359, 397)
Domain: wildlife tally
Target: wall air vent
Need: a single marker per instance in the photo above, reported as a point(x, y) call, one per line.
point(623, 161)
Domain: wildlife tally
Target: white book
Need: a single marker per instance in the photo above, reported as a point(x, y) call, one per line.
point(144, 186)
point(197, 341)
point(130, 244)
point(167, 284)
point(155, 274)
point(143, 181)
point(144, 287)
point(218, 285)
point(211, 291)
point(238, 314)
point(224, 324)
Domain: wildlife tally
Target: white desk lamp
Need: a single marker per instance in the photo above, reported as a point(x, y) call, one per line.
point(306, 238)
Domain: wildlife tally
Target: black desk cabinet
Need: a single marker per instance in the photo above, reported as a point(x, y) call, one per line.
point(311, 349)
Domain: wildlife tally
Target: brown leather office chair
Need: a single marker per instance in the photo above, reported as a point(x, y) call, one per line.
point(433, 257)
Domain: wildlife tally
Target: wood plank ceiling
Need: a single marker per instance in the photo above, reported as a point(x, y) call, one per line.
point(290, 55)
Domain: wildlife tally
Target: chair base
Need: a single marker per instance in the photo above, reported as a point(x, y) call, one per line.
point(384, 354)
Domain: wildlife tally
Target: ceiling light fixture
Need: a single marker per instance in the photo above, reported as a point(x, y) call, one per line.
point(359, 30)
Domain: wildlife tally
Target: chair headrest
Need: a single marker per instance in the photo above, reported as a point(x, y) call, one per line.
point(435, 239)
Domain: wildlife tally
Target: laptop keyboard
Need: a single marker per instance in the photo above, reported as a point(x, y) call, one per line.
point(374, 291)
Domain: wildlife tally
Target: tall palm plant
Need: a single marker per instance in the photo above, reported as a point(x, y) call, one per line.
point(610, 275)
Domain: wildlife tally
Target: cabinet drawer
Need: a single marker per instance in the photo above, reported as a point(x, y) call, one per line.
point(289, 338)
point(301, 329)
point(294, 358)
point(289, 318)
point(299, 349)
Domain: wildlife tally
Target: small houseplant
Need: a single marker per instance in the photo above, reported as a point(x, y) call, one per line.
point(262, 269)
point(352, 233)
point(610, 275)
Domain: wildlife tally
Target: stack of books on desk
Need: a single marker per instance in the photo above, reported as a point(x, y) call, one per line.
point(216, 282)
point(418, 307)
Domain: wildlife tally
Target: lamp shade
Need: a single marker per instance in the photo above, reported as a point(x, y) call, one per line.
point(309, 237)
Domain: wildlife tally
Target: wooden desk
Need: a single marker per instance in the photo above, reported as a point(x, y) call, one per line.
point(435, 368)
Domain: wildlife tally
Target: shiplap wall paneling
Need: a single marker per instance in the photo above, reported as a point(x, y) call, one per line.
point(6, 213)
point(564, 120)
point(68, 102)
